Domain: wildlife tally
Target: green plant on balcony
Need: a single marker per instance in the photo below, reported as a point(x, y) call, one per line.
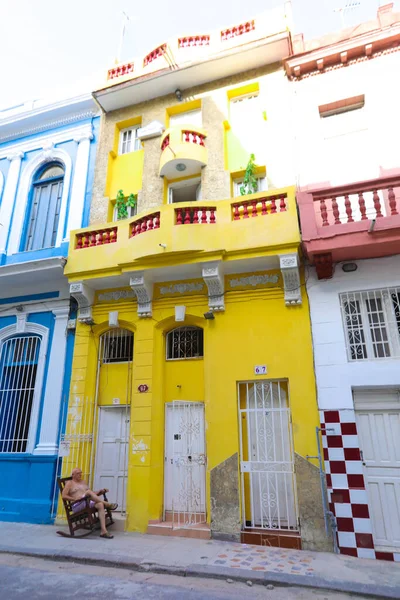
point(250, 183)
point(123, 202)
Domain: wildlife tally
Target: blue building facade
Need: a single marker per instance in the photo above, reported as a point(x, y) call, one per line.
point(47, 154)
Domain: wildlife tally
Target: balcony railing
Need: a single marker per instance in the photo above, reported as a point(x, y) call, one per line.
point(259, 207)
point(147, 223)
point(183, 144)
point(190, 215)
point(96, 237)
point(373, 199)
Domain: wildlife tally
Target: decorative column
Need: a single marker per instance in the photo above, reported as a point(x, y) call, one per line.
point(143, 291)
point(48, 441)
point(291, 278)
point(214, 280)
point(7, 204)
point(84, 295)
point(79, 183)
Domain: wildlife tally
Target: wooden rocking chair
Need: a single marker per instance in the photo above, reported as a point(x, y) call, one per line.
point(86, 519)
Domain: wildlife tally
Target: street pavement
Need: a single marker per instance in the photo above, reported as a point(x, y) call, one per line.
point(207, 559)
point(42, 579)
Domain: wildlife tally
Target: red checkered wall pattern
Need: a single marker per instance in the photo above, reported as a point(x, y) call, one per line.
point(347, 495)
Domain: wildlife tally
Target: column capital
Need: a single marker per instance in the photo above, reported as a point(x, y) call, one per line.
point(15, 155)
point(83, 136)
point(61, 312)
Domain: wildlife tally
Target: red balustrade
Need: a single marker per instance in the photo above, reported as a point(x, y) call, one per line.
point(259, 207)
point(165, 143)
point(120, 70)
point(227, 34)
point(160, 51)
point(373, 199)
point(96, 237)
point(194, 41)
point(189, 215)
point(193, 137)
point(146, 223)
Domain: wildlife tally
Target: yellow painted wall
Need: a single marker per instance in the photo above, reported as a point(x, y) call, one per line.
point(256, 328)
point(125, 173)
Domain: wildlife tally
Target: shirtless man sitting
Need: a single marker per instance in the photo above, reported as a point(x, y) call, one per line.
point(76, 491)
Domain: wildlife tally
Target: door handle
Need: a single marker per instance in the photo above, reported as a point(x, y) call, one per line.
point(362, 457)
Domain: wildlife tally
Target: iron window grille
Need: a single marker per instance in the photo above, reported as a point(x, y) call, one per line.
point(185, 342)
point(19, 358)
point(372, 323)
point(117, 346)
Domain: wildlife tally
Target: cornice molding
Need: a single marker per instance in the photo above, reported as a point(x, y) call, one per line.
point(84, 130)
point(68, 120)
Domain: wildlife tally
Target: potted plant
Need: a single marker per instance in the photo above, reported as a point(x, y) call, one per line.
point(250, 183)
point(122, 203)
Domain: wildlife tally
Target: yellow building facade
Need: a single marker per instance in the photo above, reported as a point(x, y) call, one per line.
point(193, 394)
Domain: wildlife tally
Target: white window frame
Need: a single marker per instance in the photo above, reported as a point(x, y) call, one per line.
point(43, 332)
point(262, 183)
point(132, 212)
point(389, 327)
point(135, 142)
point(180, 184)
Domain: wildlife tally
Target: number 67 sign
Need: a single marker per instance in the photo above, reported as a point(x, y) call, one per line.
point(260, 370)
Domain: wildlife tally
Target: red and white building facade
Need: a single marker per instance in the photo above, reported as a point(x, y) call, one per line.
point(347, 130)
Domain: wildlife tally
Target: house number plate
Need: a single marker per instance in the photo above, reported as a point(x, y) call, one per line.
point(260, 370)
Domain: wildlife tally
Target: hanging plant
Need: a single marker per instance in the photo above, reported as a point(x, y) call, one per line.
point(122, 204)
point(250, 183)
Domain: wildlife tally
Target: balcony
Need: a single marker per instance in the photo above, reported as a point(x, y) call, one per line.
point(350, 222)
point(186, 234)
point(183, 151)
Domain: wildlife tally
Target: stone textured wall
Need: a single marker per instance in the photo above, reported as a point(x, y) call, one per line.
point(215, 179)
point(225, 510)
point(312, 525)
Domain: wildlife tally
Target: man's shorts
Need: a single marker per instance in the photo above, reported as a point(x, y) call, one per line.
point(81, 504)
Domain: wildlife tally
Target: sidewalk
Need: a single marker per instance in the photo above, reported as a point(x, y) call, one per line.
point(209, 558)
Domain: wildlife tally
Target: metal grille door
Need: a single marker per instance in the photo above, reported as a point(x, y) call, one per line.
point(267, 466)
point(18, 368)
point(185, 464)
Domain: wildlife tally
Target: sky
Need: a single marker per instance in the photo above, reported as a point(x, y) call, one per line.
point(57, 48)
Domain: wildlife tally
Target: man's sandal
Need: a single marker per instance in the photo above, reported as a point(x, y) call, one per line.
point(107, 536)
point(113, 506)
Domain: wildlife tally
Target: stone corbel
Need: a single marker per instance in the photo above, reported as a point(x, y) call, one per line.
point(48, 150)
point(84, 296)
point(143, 291)
point(214, 281)
point(289, 264)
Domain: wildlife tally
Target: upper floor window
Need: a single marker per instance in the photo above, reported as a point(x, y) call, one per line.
point(129, 141)
point(244, 107)
point(19, 357)
point(185, 342)
point(372, 323)
point(44, 212)
point(189, 117)
point(262, 185)
point(117, 346)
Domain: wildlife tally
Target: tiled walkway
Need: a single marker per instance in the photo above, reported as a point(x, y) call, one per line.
point(243, 556)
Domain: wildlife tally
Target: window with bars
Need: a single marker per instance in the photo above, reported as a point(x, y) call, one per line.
point(185, 342)
point(117, 346)
point(44, 210)
point(19, 357)
point(129, 141)
point(372, 323)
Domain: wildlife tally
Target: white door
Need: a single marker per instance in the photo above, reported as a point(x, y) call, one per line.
point(378, 425)
point(112, 453)
point(267, 465)
point(185, 462)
